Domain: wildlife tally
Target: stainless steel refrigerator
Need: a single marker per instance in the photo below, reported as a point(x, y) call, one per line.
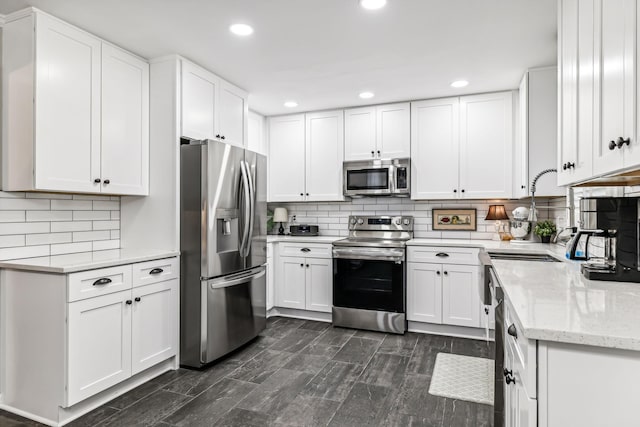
point(223, 217)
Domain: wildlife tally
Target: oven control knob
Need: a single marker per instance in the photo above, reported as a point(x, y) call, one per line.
point(398, 221)
point(406, 221)
point(360, 221)
point(353, 221)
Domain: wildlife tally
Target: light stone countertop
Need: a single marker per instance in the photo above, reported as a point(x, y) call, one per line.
point(83, 261)
point(274, 238)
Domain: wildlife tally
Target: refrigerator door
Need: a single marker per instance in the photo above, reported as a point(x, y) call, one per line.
point(235, 307)
point(257, 244)
point(225, 207)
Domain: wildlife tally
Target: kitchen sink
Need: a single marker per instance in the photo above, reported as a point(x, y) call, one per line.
point(523, 257)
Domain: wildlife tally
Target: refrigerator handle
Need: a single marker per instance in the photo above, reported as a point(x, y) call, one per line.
point(246, 193)
point(237, 279)
point(252, 206)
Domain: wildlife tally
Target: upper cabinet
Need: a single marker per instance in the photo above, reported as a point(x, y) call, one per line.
point(75, 110)
point(378, 132)
point(536, 145)
point(212, 108)
point(462, 147)
point(305, 157)
point(598, 79)
point(256, 133)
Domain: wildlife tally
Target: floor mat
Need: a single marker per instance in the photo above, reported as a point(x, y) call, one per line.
point(463, 377)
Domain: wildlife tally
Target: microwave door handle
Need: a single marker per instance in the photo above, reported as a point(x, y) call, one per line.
point(392, 179)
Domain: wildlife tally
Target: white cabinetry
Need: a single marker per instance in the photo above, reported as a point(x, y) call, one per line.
point(101, 329)
point(270, 276)
point(305, 157)
point(443, 286)
point(212, 108)
point(71, 104)
point(467, 143)
point(304, 277)
point(256, 134)
point(536, 145)
point(377, 132)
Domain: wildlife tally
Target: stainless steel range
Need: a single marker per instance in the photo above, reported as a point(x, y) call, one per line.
point(369, 274)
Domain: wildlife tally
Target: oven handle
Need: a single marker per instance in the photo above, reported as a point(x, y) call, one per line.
point(395, 255)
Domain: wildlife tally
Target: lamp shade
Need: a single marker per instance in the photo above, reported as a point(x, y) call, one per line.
point(281, 215)
point(497, 213)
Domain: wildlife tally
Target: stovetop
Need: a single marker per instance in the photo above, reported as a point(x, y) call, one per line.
point(378, 231)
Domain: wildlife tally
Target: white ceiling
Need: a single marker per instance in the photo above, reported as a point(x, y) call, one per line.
point(323, 53)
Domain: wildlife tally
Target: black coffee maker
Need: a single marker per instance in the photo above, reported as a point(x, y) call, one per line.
point(617, 220)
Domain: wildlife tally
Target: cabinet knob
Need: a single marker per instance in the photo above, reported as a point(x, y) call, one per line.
point(222, 137)
point(438, 273)
point(307, 265)
point(218, 136)
point(106, 181)
point(302, 194)
point(137, 299)
point(378, 153)
point(486, 311)
point(128, 302)
point(462, 190)
point(373, 154)
point(522, 186)
point(571, 165)
point(506, 372)
point(511, 330)
point(612, 145)
point(97, 180)
point(455, 191)
point(509, 380)
point(564, 166)
point(446, 273)
point(301, 265)
point(621, 141)
point(307, 194)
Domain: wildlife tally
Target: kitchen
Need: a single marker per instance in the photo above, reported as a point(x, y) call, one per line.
point(207, 221)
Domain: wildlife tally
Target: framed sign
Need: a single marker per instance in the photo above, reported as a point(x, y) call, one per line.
point(454, 219)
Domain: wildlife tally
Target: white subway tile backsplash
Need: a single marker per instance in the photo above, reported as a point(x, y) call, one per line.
point(91, 215)
point(42, 224)
point(90, 236)
point(70, 248)
point(48, 216)
point(72, 205)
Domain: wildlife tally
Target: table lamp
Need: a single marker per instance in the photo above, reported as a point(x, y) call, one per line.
point(280, 215)
point(498, 214)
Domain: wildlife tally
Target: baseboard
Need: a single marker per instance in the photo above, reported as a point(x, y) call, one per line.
point(300, 314)
point(67, 415)
point(450, 330)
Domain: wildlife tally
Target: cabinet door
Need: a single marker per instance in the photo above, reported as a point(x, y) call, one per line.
point(324, 152)
point(461, 295)
point(286, 158)
point(125, 123)
point(434, 152)
point(153, 325)
point(424, 292)
point(99, 345)
point(67, 152)
point(617, 39)
point(486, 146)
point(270, 284)
point(393, 131)
point(290, 288)
point(199, 97)
point(360, 133)
point(233, 110)
point(256, 138)
point(319, 281)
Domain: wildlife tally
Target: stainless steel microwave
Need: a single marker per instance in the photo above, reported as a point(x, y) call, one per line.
point(389, 177)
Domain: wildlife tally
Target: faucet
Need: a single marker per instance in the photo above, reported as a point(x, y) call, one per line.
point(533, 216)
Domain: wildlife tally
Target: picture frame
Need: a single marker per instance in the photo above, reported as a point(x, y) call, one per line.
point(454, 219)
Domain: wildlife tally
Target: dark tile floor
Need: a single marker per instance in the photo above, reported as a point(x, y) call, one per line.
point(302, 373)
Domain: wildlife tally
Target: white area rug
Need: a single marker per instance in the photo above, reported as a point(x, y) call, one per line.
point(463, 377)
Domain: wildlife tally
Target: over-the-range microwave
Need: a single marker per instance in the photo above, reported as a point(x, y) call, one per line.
point(384, 177)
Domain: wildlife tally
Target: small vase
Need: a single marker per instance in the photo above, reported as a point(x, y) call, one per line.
point(545, 239)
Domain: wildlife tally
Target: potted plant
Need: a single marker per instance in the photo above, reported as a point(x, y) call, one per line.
point(545, 229)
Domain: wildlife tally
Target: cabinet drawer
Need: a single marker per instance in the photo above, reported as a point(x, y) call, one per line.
point(444, 255)
point(523, 350)
point(308, 250)
point(92, 283)
point(159, 270)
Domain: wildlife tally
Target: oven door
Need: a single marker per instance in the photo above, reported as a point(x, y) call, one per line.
point(369, 284)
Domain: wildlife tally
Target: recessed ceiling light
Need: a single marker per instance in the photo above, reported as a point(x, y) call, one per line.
point(459, 83)
point(366, 95)
point(241, 29)
point(373, 4)
point(291, 104)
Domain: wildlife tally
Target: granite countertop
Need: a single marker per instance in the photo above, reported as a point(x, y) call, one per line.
point(83, 261)
point(554, 302)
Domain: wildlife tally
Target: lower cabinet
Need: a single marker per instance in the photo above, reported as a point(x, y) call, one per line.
point(443, 293)
point(270, 277)
point(304, 283)
point(115, 336)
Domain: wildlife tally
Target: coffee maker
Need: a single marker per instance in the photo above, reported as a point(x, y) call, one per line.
point(616, 221)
